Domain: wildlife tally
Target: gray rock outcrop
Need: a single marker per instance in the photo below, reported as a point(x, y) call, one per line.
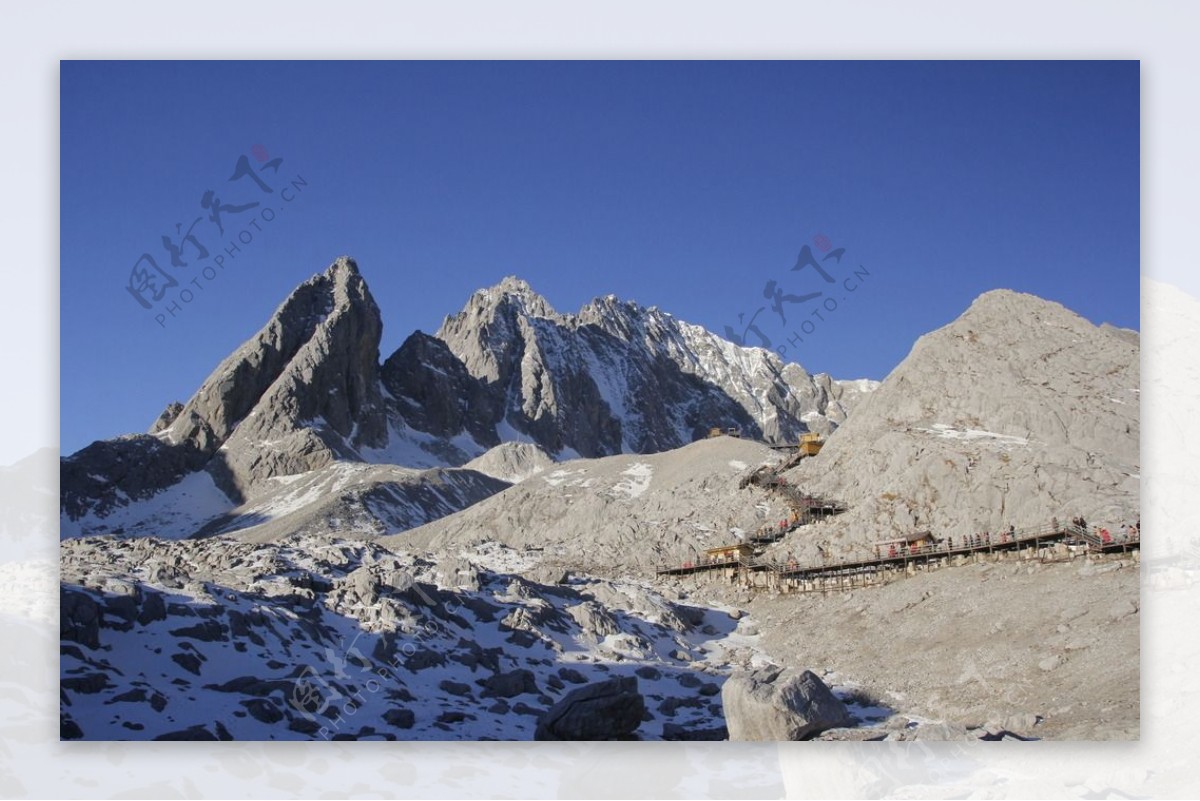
point(776, 704)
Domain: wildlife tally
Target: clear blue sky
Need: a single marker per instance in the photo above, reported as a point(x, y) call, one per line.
point(686, 185)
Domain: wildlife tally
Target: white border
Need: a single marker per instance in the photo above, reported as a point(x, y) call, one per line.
point(1161, 35)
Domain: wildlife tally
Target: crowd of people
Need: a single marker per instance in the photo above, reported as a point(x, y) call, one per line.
point(1127, 533)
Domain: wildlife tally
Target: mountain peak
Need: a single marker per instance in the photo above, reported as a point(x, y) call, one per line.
point(512, 293)
point(342, 267)
point(514, 285)
point(1013, 303)
point(314, 360)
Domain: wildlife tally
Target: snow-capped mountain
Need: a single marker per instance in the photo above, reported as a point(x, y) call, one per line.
point(621, 378)
point(308, 391)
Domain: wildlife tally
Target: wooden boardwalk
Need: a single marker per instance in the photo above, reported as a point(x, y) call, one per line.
point(868, 569)
point(887, 559)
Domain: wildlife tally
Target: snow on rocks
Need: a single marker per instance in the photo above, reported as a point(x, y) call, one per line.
point(316, 637)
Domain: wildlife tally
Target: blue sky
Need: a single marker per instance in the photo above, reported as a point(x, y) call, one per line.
point(686, 185)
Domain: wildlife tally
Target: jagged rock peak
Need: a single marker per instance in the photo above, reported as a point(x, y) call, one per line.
point(514, 292)
point(311, 373)
point(624, 318)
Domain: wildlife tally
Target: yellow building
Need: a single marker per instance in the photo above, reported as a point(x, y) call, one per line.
point(810, 443)
point(910, 543)
point(729, 553)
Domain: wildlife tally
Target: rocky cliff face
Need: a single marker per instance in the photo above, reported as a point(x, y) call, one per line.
point(301, 393)
point(436, 394)
point(618, 377)
point(1016, 412)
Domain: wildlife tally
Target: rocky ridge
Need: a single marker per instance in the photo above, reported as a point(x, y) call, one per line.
point(308, 391)
point(618, 377)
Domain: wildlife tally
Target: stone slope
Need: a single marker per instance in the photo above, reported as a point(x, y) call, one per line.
point(1018, 411)
point(618, 515)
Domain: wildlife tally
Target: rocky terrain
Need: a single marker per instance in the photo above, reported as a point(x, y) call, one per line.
point(620, 515)
point(318, 637)
point(1046, 651)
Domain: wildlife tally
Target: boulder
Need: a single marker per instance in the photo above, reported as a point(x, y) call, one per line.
point(458, 572)
point(596, 621)
point(124, 607)
point(774, 704)
point(153, 608)
point(606, 710)
point(400, 718)
point(572, 675)
point(263, 710)
point(362, 586)
point(197, 732)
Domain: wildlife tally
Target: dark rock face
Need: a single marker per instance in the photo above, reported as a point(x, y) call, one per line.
point(607, 710)
point(437, 394)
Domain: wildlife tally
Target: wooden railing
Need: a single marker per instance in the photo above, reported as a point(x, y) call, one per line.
point(951, 546)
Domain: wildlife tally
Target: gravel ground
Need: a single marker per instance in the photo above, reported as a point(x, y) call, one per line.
point(1046, 650)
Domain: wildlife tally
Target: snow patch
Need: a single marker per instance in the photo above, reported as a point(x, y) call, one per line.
point(173, 513)
point(638, 481)
point(944, 431)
